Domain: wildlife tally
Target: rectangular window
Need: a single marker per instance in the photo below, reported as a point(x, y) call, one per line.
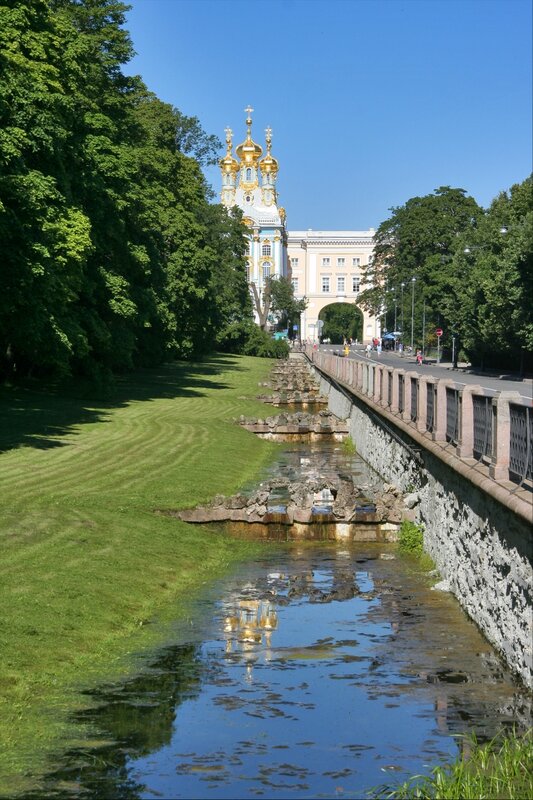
point(295, 285)
point(325, 262)
point(341, 262)
point(341, 283)
point(266, 271)
point(355, 284)
point(248, 272)
point(325, 284)
point(294, 262)
point(356, 262)
point(265, 250)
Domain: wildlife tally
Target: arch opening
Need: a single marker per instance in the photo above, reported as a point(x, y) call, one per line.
point(342, 321)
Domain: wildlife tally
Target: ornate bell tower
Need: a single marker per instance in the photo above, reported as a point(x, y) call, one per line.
point(250, 184)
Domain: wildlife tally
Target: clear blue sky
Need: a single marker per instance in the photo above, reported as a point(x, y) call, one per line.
point(371, 101)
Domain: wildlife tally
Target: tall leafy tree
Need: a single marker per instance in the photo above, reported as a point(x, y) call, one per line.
point(419, 241)
point(494, 283)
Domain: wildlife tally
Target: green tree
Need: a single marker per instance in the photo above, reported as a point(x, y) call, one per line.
point(284, 304)
point(419, 240)
point(491, 297)
point(341, 321)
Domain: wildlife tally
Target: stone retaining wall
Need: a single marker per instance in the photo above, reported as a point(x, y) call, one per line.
point(480, 546)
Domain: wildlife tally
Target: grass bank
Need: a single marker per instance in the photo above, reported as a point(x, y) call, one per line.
point(85, 560)
point(501, 768)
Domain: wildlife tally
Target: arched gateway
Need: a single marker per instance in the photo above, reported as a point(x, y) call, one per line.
point(326, 267)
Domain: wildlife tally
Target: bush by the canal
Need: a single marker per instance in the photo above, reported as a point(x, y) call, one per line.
point(411, 538)
point(501, 768)
point(86, 563)
point(263, 345)
point(411, 542)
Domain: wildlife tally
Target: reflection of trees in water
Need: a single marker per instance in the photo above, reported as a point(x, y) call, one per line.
point(138, 717)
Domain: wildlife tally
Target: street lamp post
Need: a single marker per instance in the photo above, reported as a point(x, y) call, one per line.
point(413, 281)
point(395, 318)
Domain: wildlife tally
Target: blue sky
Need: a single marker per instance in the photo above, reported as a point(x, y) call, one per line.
point(371, 102)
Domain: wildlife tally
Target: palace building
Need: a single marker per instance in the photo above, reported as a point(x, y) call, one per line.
point(324, 266)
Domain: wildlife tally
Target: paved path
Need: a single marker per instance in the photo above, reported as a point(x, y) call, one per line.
point(504, 383)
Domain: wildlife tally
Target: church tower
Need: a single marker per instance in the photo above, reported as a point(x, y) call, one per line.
point(250, 184)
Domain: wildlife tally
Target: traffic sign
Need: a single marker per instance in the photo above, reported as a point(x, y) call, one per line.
point(439, 332)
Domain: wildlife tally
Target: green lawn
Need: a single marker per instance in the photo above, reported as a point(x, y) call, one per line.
point(85, 560)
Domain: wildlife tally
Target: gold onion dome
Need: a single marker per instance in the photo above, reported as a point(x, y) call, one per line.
point(269, 164)
point(249, 151)
point(228, 163)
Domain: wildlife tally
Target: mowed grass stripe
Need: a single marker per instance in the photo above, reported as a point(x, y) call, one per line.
point(85, 560)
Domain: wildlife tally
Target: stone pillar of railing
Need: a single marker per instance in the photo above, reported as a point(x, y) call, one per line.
point(501, 433)
point(352, 372)
point(465, 445)
point(359, 379)
point(395, 406)
point(406, 415)
point(371, 379)
point(378, 381)
point(439, 410)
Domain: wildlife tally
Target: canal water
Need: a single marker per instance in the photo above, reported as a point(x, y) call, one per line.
point(317, 671)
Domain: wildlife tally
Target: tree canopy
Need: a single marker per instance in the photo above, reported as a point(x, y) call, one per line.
point(470, 279)
point(112, 255)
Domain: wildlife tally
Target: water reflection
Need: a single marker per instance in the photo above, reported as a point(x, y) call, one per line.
point(319, 672)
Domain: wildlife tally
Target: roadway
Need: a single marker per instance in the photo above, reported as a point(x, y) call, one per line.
point(463, 374)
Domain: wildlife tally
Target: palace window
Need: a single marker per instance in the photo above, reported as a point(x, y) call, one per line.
point(325, 284)
point(356, 262)
point(340, 262)
point(248, 273)
point(248, 198)
point(295, 285)
point(266, 270)
point(248, 174)
point(341, 282)
point(325, 262)
point(355, 284)
point(294, 262)
point(266, 250)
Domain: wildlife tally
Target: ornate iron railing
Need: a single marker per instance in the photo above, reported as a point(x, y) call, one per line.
point(482, 410)
point(430, 408)
point(452, 415)
point(401, 393)
point(521, 445)
point(414, 399)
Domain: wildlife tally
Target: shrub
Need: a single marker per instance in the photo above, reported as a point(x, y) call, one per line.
point(263, 345)
point(411, 538)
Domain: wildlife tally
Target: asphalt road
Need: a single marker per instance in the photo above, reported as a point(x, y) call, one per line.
point(462, 375)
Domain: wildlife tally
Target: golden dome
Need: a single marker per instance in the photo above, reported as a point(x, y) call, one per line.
point(269, 164)
point(228, 163)
point(249, 151)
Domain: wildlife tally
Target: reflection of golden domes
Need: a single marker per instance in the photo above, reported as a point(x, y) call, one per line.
point(249, 151)
point(228, 163)
point(269, 164)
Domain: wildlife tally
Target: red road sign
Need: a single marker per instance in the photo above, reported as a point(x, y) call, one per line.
point(439, 332)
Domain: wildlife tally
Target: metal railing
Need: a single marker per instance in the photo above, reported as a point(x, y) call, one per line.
point(430, 408)
point(452, 415)
point(521, 445)
point(482, 413)
point(414, 399)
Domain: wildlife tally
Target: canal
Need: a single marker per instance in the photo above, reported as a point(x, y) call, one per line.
point(321, 670)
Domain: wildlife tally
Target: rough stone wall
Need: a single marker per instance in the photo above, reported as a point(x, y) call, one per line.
point(481, 548)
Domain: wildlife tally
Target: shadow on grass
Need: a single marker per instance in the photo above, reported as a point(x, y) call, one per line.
point(38, 415)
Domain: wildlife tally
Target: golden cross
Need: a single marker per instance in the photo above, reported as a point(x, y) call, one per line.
point(248, 109)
